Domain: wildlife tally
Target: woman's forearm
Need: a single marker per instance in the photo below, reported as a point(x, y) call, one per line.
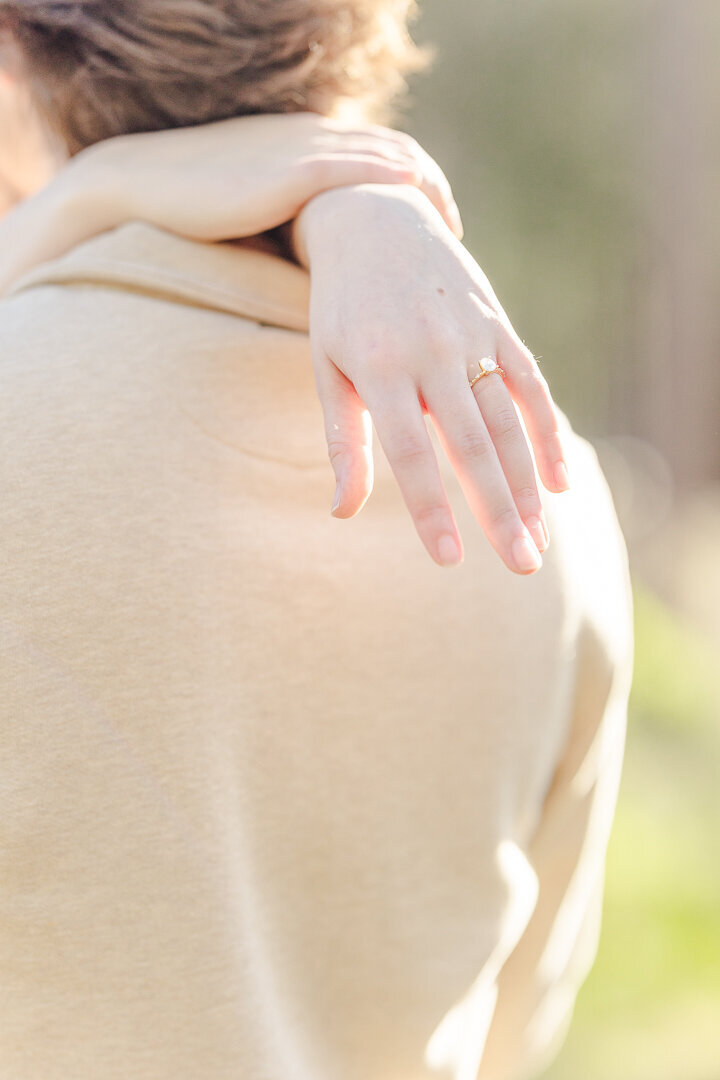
point(50, 223)
point(230, 180)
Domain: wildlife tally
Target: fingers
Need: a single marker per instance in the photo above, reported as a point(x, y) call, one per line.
point(446, 206)
point(472, 451)
point(349, 437)
point(321, 173)
point(433, 182)
point(401, 429)
point(430, 178)
point(511, 446)
point(436, 186)
point(529, 389)
point(485, 443)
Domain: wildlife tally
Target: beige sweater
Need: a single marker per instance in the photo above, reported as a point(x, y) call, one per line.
point(280, 799)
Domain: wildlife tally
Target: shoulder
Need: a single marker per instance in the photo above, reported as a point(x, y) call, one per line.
point(149, 339)
point(593, 548)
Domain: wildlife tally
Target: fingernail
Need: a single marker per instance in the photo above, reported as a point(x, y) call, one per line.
point(338, 496)
point(526, 555)
point(455, 213)
point(448, 551)
point(560, 475)
point(538, 530)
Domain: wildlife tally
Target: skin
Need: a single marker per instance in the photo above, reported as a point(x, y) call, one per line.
point(28, 159)
point(402, 367)
point(396, 332)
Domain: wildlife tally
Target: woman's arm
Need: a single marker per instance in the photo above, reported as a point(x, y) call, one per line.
point(228, 180)
point(396, 328)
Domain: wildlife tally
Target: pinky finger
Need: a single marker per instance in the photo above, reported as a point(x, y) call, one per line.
point(530, 390)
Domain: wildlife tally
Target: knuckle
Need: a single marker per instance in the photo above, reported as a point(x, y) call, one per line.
point(427, 513)
point(337, 449)
point(528, 496)
point(505, 424)
point(445, 337)
point(377, 352)
point(504, 517)
point(474, 445)
point(379, 387)
point(409, 450)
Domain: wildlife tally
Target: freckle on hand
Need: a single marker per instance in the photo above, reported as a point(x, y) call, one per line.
point(441, 291)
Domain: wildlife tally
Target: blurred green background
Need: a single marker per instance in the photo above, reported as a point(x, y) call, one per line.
point(581, 138)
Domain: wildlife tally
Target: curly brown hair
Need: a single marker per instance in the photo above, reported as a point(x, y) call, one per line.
point(98, 68)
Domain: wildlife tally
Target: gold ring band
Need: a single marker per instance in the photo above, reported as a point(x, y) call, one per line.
point(488, 366)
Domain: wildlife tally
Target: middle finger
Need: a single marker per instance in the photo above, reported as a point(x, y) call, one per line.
point(469, 447)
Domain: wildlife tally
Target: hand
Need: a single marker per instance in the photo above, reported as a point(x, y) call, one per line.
point(227, 180)
point(400, 312)
point(254, 172)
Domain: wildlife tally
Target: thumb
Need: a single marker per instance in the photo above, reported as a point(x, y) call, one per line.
point(349, 437)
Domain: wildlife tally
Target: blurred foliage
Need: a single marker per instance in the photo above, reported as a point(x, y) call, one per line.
point(676, 672)
point(532, 108)
point(581, 139)
point(650, 1007)
point(545, 116)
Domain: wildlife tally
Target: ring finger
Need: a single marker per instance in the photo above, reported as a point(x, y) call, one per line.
point(511, 444)
point(467, 442)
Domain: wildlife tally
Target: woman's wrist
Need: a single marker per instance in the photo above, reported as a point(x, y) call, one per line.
point(323, 216)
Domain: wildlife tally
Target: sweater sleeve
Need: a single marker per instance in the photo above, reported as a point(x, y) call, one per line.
point(538, 984)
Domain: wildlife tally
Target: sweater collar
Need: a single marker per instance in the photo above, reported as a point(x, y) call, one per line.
point(224, 277)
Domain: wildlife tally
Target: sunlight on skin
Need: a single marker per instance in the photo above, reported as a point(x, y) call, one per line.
point(28, 160)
